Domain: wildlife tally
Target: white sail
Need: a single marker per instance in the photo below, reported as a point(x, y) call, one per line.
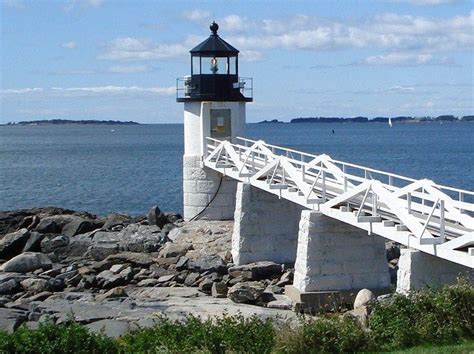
point(390, 122)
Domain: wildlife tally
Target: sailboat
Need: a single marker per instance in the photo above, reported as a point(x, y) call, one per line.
point(390, 122)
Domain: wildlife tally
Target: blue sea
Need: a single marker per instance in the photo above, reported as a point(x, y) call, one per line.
point(104, 169)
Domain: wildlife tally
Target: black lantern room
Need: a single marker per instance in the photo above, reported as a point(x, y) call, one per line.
point(214, 73)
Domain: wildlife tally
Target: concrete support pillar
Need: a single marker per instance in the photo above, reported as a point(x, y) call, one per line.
point(417, 270)
point(265, 227)
point(336, 256)
point(200, 185)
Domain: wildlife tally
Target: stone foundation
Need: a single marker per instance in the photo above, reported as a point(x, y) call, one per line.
point(199, 187)
point(418, 270)
point(334, 256)
point(265, 227)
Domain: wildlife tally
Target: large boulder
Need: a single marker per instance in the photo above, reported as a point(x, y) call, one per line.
point(157, 217)
point(34, 242)
point(80, 226)
point(256, 271)
point(49, 245)
point(11, 319)
point(9, 287)
point(245, 292)
point(363, 297)
point(12, 244)
point(27, 262)
point(211, 263)
point(175, 249)
point(35, 285)
point(141, 238)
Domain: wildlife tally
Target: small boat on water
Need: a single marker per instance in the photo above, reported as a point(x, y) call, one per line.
point(390, 122)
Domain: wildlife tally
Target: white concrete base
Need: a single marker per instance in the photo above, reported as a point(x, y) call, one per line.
point(199, 187)
point(265, 227)
point(336, 256)
point(417, 270)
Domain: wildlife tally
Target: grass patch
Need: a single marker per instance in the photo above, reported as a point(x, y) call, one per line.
point(427, 321)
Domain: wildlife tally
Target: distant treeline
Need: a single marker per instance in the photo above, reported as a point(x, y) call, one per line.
point(67, 121)
point(443, 118)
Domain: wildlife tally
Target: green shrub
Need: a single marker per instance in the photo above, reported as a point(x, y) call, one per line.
point(51, 339)
point(323, 335)
point(427, 316)
point(223, 334)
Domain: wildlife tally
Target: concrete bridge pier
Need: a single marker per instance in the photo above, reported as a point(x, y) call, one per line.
point(265, 227)
point(417, 270)
point(334, 260)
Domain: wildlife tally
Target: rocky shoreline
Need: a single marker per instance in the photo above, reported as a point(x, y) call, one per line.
point(117, 272)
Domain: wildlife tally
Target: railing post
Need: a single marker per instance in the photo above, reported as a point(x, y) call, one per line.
point(441, 221)
point(409, 202)
point(390, 180)
point(374, 204)
point(324, 185)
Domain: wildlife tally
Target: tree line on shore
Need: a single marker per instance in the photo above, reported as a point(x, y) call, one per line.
point(400, 119)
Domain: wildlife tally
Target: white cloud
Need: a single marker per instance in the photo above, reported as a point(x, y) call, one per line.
point(90, 91)
point(399, 59)
point(197, 15)
point(129, 48)
point(129, 69)
point(407, 40)
point(69, 45)
point(72, 4)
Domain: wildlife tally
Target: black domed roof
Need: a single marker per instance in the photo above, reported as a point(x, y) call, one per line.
point(214, 45)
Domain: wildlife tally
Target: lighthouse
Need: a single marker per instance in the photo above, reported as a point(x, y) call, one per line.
point(214, 98)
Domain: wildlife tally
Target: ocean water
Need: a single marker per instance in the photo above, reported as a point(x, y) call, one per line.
point(103, 169)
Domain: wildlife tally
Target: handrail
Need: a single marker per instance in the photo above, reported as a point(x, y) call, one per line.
point(363, 168)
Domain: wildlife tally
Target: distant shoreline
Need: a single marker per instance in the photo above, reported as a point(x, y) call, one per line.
point(71, 122)
point(445, 118)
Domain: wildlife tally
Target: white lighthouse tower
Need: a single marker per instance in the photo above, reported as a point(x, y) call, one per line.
point(214, 106)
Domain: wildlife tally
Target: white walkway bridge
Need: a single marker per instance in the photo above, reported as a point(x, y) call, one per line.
point(420, 214)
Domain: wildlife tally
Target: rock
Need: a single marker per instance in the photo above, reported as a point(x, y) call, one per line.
point(165, 278)
point(11, 319)
point(280, 303)
point(12, 244)
point(173, 234)
point(101, 251)
point(56, 284)
point(49, 226)
point(106, 279)
point(360, 314)
point(27, 262)
point(40, 296)
point(9, 287)
point(256, 271)
point(219, 290)
point(182, 263)
point(157, 217)
point(80, 226)
point(113, 220)
point(110, 328)
point(173, 217)
point(206, 285)
point(175, 249)
point(211, 263)
point(165, 230)
point(118, 292)
point(363, 297)
point(34, 242)
point(148, 282)
point(117, 268)
point(245, 292)
point(49, 245)
point(141, 238)
point(191, 279)
point(35, 285)
point(138, 259)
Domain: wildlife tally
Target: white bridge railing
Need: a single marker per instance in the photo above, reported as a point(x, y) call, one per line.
point(417, 213)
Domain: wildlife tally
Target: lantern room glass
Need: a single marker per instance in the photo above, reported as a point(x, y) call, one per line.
point(213, 65)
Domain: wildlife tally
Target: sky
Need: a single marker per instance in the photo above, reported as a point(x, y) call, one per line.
point(117, 59)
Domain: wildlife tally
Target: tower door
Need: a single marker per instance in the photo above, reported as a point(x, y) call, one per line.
point(220, 124)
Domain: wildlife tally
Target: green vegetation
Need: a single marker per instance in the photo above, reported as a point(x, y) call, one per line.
point(426, 321)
